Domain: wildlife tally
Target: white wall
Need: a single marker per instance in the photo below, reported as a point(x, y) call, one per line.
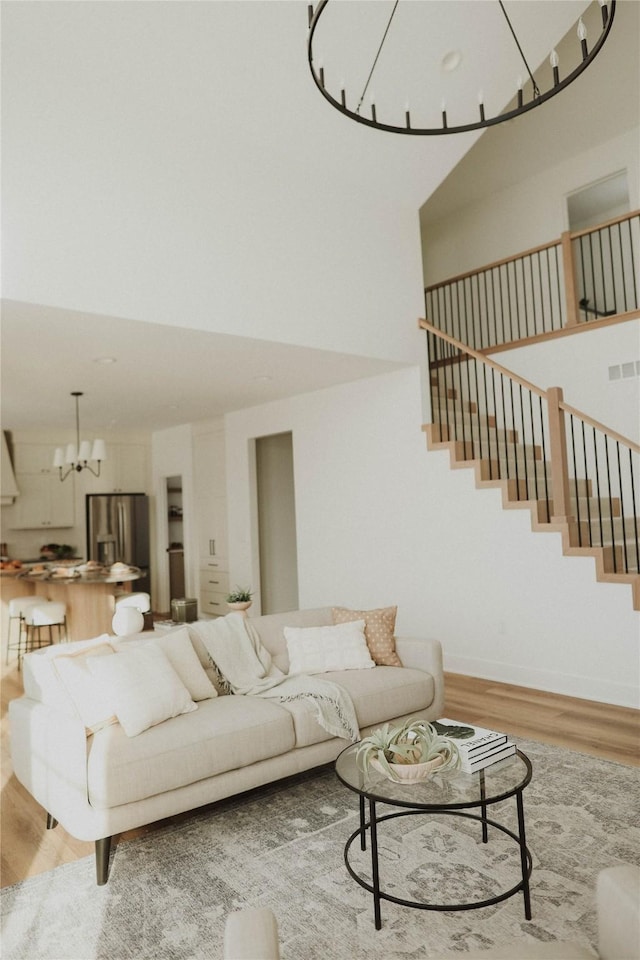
point(382, 521)
point(580, 365)
point(197, 178)
point(526, 214)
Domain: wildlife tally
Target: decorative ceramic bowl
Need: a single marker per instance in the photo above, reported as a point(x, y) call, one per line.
point(409, 772)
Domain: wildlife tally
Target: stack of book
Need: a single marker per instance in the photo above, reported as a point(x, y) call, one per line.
point(478, 747)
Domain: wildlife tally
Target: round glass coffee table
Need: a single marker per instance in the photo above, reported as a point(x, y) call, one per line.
point(467, 795)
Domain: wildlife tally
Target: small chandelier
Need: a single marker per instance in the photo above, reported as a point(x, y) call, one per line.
point(397, 63)
point(76, 456)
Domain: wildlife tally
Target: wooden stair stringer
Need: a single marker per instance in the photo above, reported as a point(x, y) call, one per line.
point(568, 537)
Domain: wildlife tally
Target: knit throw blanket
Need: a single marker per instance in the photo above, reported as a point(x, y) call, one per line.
point(239, 655)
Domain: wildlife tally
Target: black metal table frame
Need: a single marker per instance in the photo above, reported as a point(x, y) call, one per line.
point(447, 810)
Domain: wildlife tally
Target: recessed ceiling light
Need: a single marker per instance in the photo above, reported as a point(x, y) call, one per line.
point(262, 378)
point(451, 61)
point(105, 360)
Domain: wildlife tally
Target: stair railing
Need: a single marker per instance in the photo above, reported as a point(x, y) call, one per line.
point(577, 471)
point(585, 276)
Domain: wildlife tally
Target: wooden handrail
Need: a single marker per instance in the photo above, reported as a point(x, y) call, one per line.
point(492, 266)
point(572, 235)
point(608, 223)
point(599, 426)
point(425, 325)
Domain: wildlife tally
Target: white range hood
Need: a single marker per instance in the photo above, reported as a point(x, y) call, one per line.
point(8, 486)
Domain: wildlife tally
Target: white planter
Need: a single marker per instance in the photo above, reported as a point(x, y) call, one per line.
point(408, 772)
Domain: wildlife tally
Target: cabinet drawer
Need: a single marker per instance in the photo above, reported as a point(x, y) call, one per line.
point(214, 579)
point(213, 603)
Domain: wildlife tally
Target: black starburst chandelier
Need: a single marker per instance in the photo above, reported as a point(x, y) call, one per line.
point(424, 59)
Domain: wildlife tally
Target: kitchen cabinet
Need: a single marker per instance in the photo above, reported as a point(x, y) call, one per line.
point(126, 470)
point(43, 501)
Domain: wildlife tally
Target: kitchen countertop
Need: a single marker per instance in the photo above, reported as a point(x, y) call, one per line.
point(47, 576)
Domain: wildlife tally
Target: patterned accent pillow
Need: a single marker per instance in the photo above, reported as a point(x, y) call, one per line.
point(379, 627)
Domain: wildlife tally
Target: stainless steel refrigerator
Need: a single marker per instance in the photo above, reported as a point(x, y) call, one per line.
point(118, 531)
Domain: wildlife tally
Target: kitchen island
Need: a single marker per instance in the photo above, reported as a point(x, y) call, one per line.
point(90, 600)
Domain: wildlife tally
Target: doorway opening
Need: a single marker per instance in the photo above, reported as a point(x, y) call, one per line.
point(277, 538)
point(175, 538)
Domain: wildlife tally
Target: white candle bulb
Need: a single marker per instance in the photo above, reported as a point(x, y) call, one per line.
point(582, 30)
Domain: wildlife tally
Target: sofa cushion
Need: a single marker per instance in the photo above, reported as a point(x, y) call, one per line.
point(94, 708)
point(320, 649)
point(270, 629)
point(222, 734)
point(41, 680)
point(386, 692)
point(142, 686)
point(379, 631)
point(378, 695)
point(179, 650)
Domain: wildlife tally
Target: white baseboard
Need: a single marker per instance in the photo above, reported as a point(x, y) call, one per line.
point(568, 685)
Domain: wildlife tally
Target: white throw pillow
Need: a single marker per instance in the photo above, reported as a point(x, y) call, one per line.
point(177, 646)
point(320, 649)
point(142, 686)
point(88, 697)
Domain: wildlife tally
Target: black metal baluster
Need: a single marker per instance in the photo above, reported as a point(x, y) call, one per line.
point(495, 418)
point(517, 305)
point(634, 512)
point(524, 446)
point(502, 311)
point(593, 278)
point(612, 275)
point(544, 457)
point(613, 536)
point(531, 420)
point(486, 412)
point(598, 493)
point(585, 296)
point(561, 299)
point(575, 478)
point(540, 286)
point(634, 261)
point(625, 555)
point(506, 434)
point(493, 307)
point(515, 434)
point(600, 234)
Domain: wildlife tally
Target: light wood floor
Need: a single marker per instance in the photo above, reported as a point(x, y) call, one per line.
point(601, 730)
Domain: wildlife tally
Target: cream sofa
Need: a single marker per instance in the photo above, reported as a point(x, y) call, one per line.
point(252, 934)
point(101, 785)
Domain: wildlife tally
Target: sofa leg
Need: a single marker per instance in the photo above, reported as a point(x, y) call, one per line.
point(103, 848)
point(51, 822)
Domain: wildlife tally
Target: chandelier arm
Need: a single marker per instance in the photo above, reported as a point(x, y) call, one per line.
point(463, 128)
point(536, 91)
point(384, 37)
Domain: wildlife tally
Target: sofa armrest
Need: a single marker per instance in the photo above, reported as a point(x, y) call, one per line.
point(48, 753)
point(421, 654)
point(618, 898)
point(251, 934)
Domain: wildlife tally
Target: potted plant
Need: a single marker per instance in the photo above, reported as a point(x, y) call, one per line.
point(240, 599)
point(409, 753)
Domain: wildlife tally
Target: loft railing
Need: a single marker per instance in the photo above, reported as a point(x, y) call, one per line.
point(583, 276)
point(576, 470)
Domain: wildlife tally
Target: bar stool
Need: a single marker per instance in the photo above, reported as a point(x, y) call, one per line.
point(17, 608)
point(49, 614)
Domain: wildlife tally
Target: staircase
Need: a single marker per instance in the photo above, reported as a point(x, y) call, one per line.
point(575, 476)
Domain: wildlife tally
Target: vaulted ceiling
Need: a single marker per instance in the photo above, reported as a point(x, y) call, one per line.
point(178, 197)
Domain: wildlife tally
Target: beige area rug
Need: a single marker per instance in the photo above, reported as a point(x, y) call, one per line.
point(282, 847)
